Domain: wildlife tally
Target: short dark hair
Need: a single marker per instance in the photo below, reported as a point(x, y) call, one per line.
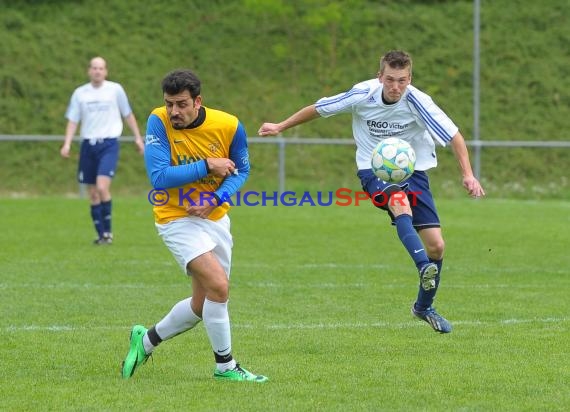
point(179, 80)
point(396, 59)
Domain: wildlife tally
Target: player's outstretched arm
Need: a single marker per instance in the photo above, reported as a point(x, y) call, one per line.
point(470, 182)
point(304, 115)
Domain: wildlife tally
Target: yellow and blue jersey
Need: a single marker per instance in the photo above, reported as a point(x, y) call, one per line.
point(176, 161)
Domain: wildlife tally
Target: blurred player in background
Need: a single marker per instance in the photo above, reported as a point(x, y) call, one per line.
point(200, 154)
point(100, 106)
point(389, 106)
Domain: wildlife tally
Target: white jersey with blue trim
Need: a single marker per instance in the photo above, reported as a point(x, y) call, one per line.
point(99, 109)
point(415, 118)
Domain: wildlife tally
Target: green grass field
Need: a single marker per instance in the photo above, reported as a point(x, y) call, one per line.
point(320, 303)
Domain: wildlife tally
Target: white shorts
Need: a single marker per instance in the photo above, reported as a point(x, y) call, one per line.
point(189, 237)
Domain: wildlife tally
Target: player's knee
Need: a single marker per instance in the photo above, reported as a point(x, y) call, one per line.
point(435, 249)
point(395, 202)
point(218, 293)
point(218, 287)
point(103, 190)
point(94, 195)
point(399, 204)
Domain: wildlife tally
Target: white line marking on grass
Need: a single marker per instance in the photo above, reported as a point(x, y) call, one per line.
point(402, 325)
point(542, 285)
point(546, 320)
point(68, 285)
point(324, 265)
point(395, 268)
point(327, 285)
point(288, 326)
point(271, 285)
point(341, 266)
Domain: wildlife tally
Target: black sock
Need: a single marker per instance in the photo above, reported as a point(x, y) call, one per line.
point(222, 358)
point(153, 336)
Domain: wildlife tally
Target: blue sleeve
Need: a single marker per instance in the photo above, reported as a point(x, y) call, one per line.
point(157, 160)
point(239, 153)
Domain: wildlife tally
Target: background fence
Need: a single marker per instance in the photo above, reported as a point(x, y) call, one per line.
point(282, 143)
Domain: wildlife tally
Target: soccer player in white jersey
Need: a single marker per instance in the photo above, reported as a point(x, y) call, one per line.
point(389, 106)
point(100, 106)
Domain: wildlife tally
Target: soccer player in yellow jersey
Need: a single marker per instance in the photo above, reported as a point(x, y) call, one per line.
point(195, 158)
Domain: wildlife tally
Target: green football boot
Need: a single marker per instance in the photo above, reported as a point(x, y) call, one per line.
point(239, 374)
point(137, 355)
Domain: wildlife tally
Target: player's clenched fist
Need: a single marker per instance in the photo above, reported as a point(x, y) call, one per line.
point(221, 167)
point(268, 129)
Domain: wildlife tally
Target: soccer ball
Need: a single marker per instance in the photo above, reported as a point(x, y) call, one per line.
point(393, 160)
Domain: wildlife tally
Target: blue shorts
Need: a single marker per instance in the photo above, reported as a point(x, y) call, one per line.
point(98, 157)
point(417, 189)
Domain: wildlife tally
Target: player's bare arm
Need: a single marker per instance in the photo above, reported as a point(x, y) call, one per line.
point(132, 122)
point(470, 182)
point(302, 116)
point(69, 133)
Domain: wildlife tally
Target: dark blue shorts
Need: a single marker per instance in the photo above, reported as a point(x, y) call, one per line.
point(98, 157)
point(417, 190)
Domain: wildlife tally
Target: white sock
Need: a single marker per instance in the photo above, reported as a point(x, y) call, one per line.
point(217, 323)
point(148, 347)
point(180, 319)
point(222, 367)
